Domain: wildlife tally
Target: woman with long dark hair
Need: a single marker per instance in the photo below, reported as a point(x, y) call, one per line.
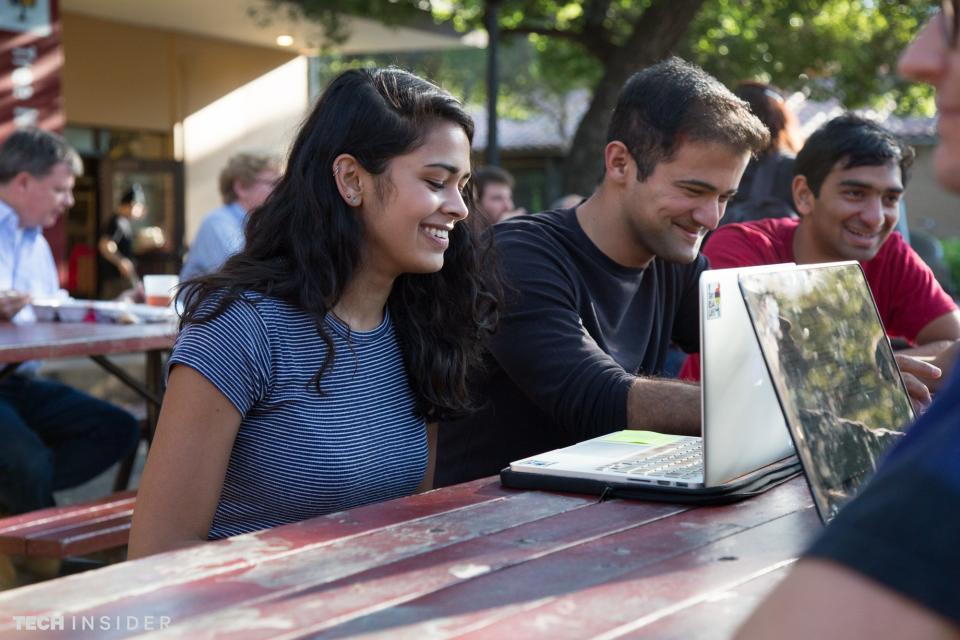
point(766, 188)
point(308, 366)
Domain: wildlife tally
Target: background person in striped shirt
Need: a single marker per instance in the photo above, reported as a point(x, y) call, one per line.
point(308, 366)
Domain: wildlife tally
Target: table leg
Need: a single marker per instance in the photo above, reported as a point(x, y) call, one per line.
point(156, 388)
point(151, 391)
point(146, 392)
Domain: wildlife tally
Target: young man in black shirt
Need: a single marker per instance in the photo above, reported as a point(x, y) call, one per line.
point(596, 294)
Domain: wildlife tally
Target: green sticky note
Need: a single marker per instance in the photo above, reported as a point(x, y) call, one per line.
point(641, 437)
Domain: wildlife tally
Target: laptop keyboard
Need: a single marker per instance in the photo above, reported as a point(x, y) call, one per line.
point(682, 461)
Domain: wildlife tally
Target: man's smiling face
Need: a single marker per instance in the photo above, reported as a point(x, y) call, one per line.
point(669, 213)
point(854, 214)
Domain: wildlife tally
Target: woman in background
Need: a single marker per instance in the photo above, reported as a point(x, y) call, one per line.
point(766, 189)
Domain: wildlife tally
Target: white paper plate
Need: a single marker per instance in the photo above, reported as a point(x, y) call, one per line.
point(75, 310)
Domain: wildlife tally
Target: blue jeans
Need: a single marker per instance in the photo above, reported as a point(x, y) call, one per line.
point(54, 437)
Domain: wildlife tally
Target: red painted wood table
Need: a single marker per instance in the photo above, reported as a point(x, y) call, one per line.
point(45, 340)
point(470, 561)
point(51, 340)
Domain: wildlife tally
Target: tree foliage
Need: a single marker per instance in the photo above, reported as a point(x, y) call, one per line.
point(845, 49)
point(841, 48)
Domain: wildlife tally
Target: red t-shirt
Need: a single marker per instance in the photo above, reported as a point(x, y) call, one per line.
point(907, 293)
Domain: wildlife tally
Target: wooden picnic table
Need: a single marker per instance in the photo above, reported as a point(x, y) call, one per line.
point(470, 561)
point(51, 340)
point(46, 340)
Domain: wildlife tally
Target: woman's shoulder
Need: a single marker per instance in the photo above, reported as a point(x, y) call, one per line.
point(230, 309)
point(279, 317)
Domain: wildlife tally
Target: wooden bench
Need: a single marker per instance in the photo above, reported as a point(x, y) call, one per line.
point(76, 529)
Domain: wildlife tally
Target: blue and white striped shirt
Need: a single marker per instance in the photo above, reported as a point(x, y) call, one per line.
point(299, 453)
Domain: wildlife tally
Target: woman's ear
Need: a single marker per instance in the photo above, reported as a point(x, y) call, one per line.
point(347, 174)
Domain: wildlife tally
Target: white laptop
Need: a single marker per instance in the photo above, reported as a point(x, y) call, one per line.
point(834, 372)
point(743, 438)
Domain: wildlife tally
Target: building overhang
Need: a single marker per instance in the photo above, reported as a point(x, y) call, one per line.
point(251, 22)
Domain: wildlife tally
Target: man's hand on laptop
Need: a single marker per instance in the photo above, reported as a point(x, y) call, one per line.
point(945, 361)
point(918, 376)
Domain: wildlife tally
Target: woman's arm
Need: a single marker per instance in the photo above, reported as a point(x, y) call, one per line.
point(187, 463)
point(427, 483)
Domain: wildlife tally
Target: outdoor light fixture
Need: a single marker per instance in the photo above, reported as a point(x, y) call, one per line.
point(284, 41)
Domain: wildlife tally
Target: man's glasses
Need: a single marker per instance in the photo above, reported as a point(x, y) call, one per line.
point(950, 21)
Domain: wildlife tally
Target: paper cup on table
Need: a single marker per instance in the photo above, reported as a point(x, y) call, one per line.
point(159, 290)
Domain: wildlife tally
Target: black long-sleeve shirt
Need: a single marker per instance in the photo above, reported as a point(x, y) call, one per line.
point(577, 329)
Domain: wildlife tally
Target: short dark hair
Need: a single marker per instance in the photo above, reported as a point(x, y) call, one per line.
point(856, 142)
point(674, 102)
point(37, 152)
point(133, 195)
point(490, 175)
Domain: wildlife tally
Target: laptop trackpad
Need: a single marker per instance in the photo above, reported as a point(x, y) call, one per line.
point(598, 452)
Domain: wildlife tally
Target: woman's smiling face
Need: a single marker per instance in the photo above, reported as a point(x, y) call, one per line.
point(419, 199)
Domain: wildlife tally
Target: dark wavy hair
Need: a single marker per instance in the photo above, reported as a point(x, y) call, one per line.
point(303, 245)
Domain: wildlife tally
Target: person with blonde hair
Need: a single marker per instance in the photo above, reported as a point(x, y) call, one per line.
point(245, 183)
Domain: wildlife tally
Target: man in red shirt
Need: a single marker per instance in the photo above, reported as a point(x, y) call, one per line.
point(848, 181)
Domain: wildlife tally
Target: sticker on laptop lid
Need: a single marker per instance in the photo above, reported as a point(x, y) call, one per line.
point(631, 436)
point(711, 300)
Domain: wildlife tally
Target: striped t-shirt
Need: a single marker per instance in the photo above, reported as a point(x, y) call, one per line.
point(300, 453)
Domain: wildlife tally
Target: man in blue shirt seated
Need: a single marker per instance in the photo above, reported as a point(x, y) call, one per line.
point(53, 436)
point(245, 183)
point(888, 565)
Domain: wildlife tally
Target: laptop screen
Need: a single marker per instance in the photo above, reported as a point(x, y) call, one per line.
point(834, 372)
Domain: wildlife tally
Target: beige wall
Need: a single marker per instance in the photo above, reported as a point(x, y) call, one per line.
point(929, 206)
point(121, 75)
point(216, 97)
point(116, 75)
point(261, 116)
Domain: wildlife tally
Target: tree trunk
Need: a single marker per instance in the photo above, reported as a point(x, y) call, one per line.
point(657, 32)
